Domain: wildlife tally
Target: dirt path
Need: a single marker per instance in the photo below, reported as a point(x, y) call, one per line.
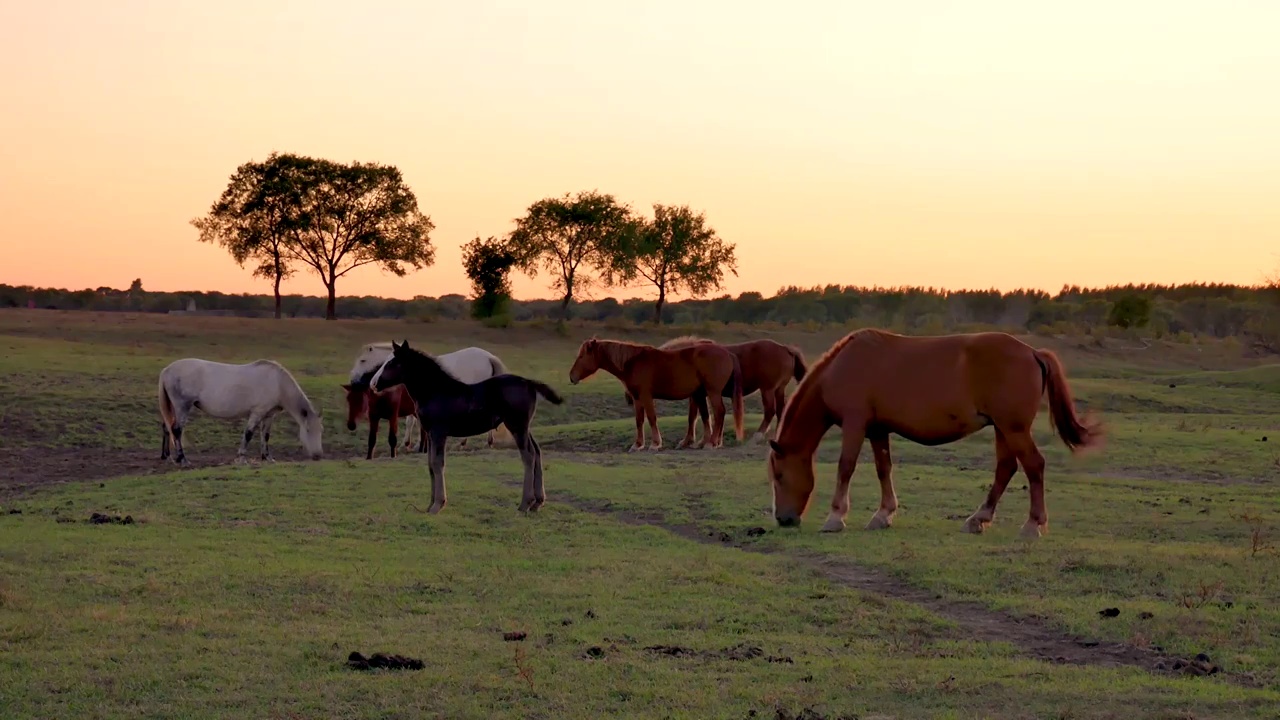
point(1033, 638)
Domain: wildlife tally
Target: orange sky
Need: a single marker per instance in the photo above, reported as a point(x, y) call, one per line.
point(947, 143)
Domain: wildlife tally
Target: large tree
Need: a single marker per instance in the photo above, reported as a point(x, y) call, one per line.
point(488, 265)
point(252, 220)
point(567, 234)
point(674, 252)
point(335, 218)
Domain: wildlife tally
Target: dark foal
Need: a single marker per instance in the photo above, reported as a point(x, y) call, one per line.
point(390, 405)
point(448, 407)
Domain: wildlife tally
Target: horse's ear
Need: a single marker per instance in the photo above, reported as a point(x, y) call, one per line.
point(777, 449)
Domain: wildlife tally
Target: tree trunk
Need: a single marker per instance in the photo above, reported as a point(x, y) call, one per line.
point(277, 294)
point(657, 309)
point(330, 310)
point(566, 300)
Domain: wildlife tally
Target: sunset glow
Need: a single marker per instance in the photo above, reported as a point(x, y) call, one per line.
point(936, 143)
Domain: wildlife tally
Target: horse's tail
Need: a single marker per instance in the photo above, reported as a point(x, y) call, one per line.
point(626, 395)
point(1076, 433)
point(166, 414)
point(545, 391)
point(799, 369)
point(498, 367)
point(738, 410)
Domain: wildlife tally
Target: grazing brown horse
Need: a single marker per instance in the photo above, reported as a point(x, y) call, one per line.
point(932, 391)
point(767, 366)
point(390, 405)
point(649, 373)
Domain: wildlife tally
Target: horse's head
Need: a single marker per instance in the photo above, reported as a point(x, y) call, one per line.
point(397, 367)
point(357, 404)
point(587, 362)
point(791, 475)
point(371, 357)
point(310, 427)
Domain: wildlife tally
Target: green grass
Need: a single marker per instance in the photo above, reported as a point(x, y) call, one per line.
point(240, 591)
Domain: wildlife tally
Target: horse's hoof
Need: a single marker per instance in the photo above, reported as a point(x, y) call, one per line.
point(1031, 531)
point(758, 438)
point(976, 525)
point(879, 521)
point(435, 509)
point(833, 524)
point(635, 448)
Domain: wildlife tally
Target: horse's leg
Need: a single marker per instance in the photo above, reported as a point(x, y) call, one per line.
point(392, 424)
point(693, 415)
point(373, 435)
point(255, 419)
point(705, 417)
point(527, 494)
point(770, 406)
point(180, 415)
point(854, 433)
point(1006, 467)
point(884, 473)
point(539, 488)
point(462, 444)
point(651, 411)
point(435, 463)
point(779, 402)
point(1032, 461)
point(265, 438)
point(717, 406)
point(164, 441)
point(638, 405)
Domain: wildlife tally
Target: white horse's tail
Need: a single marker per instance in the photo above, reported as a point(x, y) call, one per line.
point(166, 418)
point(498, 367)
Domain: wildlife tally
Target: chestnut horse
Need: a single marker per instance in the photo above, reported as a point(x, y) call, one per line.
point(390, 405)
point(767, 366)
point(932, 391)
point(649, 373)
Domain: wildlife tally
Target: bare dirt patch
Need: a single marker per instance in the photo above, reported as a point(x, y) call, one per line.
point(24, 470)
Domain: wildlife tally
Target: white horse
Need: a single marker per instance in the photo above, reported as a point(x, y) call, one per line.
point(256, 390)
point(470, 365)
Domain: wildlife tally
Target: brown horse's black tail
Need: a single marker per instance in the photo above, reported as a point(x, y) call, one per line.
point(799, 370)
point(545, 391)
point(738, 410)
point(1076, 433)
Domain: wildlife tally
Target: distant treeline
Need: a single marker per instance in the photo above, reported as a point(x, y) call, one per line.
point(1212, 310)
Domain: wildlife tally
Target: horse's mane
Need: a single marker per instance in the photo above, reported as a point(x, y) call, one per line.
point(418, 358)
point(619, 352)
point(682, 340)
point(301, 396)
point(811, 378)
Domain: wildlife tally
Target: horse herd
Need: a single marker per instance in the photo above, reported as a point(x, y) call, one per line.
point(871, 384)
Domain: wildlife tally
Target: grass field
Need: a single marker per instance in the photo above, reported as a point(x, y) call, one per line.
point(650, 585)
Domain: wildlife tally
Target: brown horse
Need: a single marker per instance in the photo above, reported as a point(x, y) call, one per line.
point(390, 404)
point(649, 373)
point(932, 391)
point(767, 366)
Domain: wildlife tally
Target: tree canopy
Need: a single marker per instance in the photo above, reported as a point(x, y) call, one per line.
point(488, 265)
point(329, 216)
point(567, 234)
point(675, 252)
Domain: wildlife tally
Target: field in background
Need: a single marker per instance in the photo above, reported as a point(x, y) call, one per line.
point(650, 585)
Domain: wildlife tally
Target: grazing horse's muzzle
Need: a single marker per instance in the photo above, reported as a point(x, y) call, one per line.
point(351, 426)
point(787, 521)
